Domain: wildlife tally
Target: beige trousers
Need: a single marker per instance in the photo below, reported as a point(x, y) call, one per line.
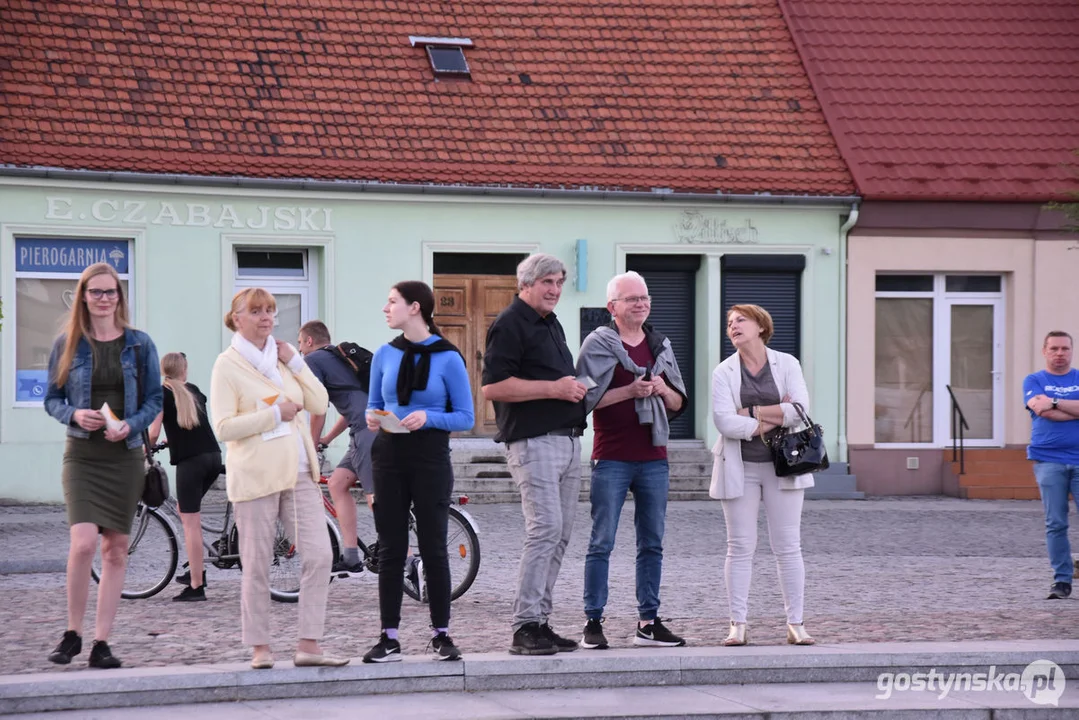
point(300, 512)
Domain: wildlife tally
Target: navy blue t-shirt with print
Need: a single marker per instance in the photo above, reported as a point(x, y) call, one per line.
point(1051, 440)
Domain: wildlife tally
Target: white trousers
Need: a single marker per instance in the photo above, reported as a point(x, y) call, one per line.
point(783, 511)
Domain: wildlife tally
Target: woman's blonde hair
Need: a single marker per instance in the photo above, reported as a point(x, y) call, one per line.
point(758, 315)
point(247, 299)
point(173, 369)
point(77, 325)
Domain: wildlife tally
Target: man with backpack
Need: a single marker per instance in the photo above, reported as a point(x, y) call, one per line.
point(345, 371)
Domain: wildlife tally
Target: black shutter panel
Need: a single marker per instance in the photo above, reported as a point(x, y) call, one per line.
point(673, 299)
point(777, 291)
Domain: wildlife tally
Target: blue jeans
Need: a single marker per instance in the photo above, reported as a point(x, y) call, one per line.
point(611, 480)
point(1055, 481)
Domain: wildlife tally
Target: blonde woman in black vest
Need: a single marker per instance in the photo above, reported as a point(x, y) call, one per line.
point(193, 449)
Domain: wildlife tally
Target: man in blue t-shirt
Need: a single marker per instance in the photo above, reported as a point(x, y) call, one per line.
point(1052, 397)
point(350, 400)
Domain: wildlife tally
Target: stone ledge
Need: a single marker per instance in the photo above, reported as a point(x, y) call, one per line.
point(129, 687)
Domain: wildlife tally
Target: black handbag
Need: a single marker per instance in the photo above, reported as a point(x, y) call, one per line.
point(799, 452)
point(156, 489)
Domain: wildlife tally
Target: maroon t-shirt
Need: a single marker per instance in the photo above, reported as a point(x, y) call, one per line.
point(619, 434)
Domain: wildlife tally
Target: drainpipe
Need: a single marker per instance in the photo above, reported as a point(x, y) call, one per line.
point(842, 433)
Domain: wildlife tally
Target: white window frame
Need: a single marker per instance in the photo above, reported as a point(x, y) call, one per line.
point(11, 294)
point(307, 287)
point(942, 305)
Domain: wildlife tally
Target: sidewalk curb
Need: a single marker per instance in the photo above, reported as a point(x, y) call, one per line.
point(20, 567)
point(42, 692)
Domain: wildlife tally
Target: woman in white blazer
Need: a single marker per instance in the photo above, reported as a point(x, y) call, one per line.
point(753, 394)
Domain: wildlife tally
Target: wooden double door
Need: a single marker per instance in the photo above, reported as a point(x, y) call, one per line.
point(465, 307)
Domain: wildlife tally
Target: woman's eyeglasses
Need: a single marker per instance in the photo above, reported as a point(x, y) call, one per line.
point(97, 294)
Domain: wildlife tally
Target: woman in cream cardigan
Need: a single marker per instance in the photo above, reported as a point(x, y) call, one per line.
point(258, 391)
point(753, 392)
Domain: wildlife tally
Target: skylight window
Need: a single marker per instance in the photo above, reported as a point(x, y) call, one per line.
point(446, 54)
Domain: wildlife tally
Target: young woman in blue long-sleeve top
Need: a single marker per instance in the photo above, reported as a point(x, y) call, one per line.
point(420, 377)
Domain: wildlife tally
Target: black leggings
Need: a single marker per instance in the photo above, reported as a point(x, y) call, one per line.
point(412, 470)
point(194, 477)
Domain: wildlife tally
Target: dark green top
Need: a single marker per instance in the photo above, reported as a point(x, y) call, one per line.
point(107, 382)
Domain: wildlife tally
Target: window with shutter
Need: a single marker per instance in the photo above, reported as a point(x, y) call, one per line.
point(775, 283)
point(672, 283)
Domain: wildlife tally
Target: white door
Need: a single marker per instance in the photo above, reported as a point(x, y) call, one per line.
point(970, 360)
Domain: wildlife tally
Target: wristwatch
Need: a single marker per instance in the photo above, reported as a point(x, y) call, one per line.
point(1055, 401)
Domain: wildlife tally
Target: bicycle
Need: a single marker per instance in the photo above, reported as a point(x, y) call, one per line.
point(154, 534)
point(462, 546)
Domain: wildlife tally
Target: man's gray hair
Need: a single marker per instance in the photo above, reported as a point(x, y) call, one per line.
point(537, 266)
point(612, 286)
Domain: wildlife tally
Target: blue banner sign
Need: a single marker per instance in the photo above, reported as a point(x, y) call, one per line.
point(30, 385)
point(49, 255)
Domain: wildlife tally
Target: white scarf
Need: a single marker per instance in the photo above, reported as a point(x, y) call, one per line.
point(264, 360)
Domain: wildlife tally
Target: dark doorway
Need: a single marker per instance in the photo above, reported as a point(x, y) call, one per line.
point(672, 283)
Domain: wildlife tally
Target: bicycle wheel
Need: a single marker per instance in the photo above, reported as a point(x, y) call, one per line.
point(151, 568)
point(285, 569)
point(462, 552)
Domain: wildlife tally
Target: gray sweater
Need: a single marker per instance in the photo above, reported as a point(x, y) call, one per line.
point(603, 349)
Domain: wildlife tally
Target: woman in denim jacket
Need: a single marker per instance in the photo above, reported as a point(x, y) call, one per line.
point(95, 363)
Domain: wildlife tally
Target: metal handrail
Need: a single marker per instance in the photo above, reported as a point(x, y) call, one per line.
point(917, 409)
point(957, 412)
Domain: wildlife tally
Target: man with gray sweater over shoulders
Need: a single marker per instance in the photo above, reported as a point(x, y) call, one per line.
point(638, 390)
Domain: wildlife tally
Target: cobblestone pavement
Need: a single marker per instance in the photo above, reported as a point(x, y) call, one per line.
point(925, 569)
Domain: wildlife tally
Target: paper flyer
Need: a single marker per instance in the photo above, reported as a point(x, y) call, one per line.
point(388, 421)
point(587, 381)
point(282, 428)
point(111, 421)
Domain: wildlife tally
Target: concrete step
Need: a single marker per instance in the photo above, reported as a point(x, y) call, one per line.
point(834, 487)
point(988, 454)
point(1010, 468)
point(1006, 492)
point(668, 669)
point(970, 479)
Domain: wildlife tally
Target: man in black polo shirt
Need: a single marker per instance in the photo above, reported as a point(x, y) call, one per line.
point(528, 374)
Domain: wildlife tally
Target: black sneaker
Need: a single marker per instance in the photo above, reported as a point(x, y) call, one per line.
point(444, 647)
point(529, 639)
point(102, 657)
point(1059, 591)
point(385, 651)
point(594, 639)
point(561, 644)
point(70, 646)
point(654, 634)
point(185, 579)
point(190, 594)
point(343, 569)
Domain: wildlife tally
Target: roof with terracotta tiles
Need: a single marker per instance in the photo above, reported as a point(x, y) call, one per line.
point(947, 99)
point(691, 95)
